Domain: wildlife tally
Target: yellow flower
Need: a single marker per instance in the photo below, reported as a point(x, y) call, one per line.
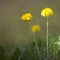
point(35, 28)
point(46, 12)
point(26, 17)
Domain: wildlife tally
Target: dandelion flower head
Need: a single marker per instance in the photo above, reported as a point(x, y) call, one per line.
point(35, 28)
point(26, 17)
point(46, 12)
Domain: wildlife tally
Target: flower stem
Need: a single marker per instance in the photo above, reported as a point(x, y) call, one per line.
point(47, 37)
point(37, 48)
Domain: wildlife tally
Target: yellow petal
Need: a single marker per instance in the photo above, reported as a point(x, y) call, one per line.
point(46, 12)
point(26, 17)
point(35, 28)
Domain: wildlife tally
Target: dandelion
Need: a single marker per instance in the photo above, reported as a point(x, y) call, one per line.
point(26, 17)
point(35, 28)
point(46, 12)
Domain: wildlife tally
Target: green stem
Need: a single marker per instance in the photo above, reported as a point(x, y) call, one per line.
point(37, 48)
point(47, 38)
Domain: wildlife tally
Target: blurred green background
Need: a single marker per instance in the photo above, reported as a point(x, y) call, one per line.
point(14, 32)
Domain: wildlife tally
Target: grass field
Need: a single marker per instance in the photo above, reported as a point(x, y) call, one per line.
point(30, 52)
